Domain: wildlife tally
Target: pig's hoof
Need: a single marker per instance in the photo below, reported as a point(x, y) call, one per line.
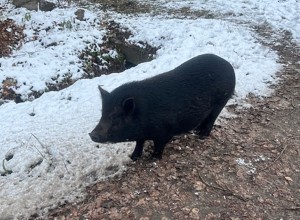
point(156, 156)
point(202, 137)
point(134, 157)
point(203, 134)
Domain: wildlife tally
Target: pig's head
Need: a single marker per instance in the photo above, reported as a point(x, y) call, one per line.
point(117, 123)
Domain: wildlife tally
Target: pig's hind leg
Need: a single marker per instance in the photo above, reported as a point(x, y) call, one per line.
point(138, 150)
point(207, 125)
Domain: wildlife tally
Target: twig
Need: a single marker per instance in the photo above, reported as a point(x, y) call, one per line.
point(66, 167)
point(277, 158)
point(209, 185)
point(293, 104)
point(226, 191)
point(40, 144)
point(65, 164)
point(47, 151)
point(5, 170)
point(297, 208)
point(28, 141)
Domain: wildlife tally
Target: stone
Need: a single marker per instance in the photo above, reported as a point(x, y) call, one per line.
point(33, 5)
point(80, 14)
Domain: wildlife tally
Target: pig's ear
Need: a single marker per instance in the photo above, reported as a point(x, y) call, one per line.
point(103, 92)
point(128, 106)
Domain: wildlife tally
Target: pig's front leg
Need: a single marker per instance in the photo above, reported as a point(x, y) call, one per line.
point(138, 150)
point(159, 146)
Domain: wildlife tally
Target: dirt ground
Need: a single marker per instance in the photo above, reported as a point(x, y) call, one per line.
point(249, 168)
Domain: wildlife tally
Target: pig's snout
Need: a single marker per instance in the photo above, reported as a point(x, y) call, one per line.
point(95, 137)
point(99, 134)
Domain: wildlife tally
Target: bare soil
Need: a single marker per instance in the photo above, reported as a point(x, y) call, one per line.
point(11, 36)
point(249, 168)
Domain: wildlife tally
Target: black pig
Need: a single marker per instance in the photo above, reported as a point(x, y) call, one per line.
point(189, 97)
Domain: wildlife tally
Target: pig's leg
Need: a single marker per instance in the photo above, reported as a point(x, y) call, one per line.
point(159, 146)
point(206, 126)
point(138, 150)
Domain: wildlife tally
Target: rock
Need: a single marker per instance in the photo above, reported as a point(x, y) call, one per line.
point(33, 5)
point(134, 54)
point(20, 3)
point(46, 6)
point(199, 186)
point(194, 214)
point(80, 14)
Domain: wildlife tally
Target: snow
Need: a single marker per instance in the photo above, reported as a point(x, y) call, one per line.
point(190, 37)
point(282, 15)
point(251, 169)
point(248, 165)
point(53, 158)
point(57, 34)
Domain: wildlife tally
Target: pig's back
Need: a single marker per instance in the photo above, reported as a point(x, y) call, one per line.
point(207, 76)
point(182, 98)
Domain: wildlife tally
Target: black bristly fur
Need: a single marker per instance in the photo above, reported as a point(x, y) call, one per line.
point(189, 97)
